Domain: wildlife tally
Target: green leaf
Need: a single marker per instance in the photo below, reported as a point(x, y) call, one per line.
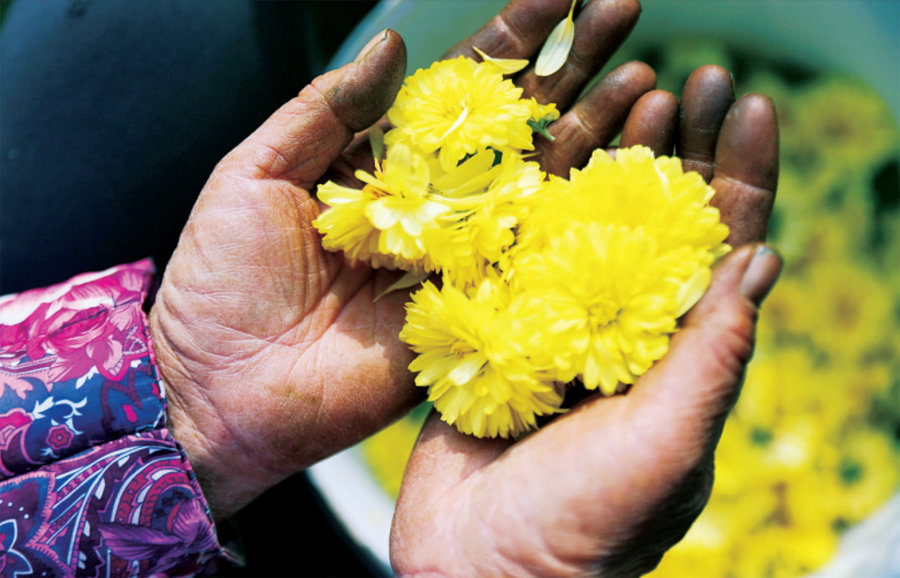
point(409, 279)
point(376, 141)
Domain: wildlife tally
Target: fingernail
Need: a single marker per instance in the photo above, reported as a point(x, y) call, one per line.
point(761, 274)
point(378, 38)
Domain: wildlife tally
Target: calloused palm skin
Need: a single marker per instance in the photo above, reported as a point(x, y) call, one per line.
point(275, 354)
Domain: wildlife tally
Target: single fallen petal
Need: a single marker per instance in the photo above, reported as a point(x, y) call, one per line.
point(556, 49)
point(505, 65)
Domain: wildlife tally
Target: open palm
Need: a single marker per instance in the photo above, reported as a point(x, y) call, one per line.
point(273, 351)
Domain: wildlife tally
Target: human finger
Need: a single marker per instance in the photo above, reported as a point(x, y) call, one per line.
point(600, 29)
point(518, 31)
point(303, 137)
point(705, 100)
point(595, 119)
point(746, 168)
point(652, 123)
point(521, 28)
point(689, 393)
point(442, 448)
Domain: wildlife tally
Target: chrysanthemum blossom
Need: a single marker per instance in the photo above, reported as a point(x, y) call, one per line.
point(611, 301)
point(487, 201)
point(383, 222)
point(636, 190)
point(457, 107)
point(473, 357)
point(344, 225)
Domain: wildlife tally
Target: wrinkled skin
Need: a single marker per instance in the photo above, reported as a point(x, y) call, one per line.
point(276, 356)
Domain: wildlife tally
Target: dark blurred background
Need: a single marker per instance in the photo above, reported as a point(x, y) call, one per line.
point(112, 116)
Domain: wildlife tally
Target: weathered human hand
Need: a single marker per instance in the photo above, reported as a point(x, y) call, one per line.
point(273, 351)
point(608, 487)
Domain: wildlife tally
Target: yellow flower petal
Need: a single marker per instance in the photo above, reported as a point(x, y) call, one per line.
point(470, 176)
point(505, 65)
point(556, 49)
point(693, 289)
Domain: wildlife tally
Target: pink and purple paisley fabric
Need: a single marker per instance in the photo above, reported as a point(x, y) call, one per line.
point(91, 482)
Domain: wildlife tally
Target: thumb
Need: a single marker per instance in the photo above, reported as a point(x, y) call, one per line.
point(685, 398)
point(303, 137)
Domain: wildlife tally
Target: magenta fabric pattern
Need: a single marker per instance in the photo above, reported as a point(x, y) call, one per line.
point(76, 367)
point(129, 507)
point(91, 482)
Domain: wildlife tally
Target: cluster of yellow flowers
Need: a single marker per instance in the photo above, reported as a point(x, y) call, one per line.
point(545, 281)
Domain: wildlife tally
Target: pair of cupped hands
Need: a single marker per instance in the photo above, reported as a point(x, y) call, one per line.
point(276, 354)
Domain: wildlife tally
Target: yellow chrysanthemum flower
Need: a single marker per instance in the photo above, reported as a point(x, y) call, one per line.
point(457, 107)
point(383, 223)
point(487, 204)
point(473, 355)
point(634, 189)
point(841, 306)
point(848, 123)
point(344, 225)
point(612, 300)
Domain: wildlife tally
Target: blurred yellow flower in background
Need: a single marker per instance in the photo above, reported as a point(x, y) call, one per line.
point(812, 446)
point(846, 123)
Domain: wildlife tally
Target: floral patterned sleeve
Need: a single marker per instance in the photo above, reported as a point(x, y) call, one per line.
point(91, 481)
